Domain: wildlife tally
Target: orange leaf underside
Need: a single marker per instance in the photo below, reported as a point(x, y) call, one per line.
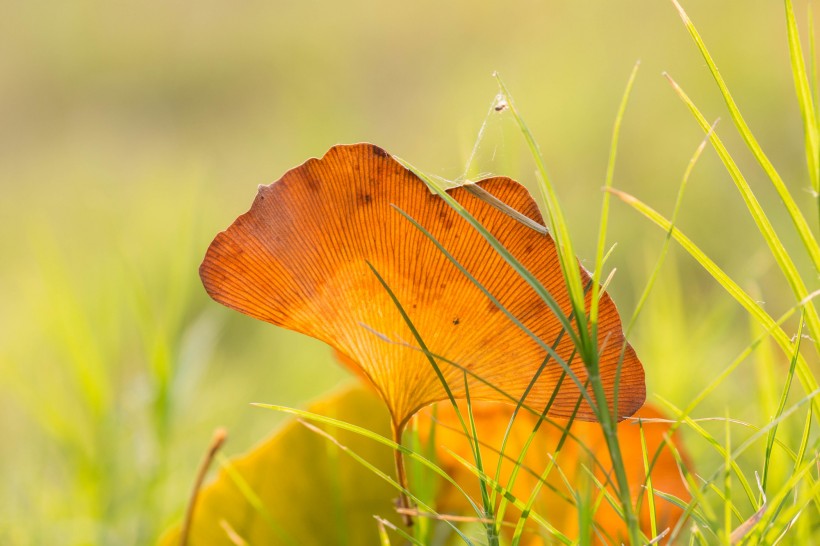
point(298, 259)
point(585, 447)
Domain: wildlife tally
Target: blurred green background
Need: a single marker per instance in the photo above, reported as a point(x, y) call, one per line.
point(132, 132)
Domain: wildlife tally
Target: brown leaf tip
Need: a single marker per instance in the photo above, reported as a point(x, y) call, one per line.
point(379, 151)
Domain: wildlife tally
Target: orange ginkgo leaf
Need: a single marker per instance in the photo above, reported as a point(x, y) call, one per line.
point(303, 258)
point(585, 446)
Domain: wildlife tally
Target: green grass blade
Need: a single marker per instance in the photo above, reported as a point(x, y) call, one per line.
point(512, 399)
point(807, 379)
point(588, 343)
point(815, 89)
point(423, 483)
point(788, 490)
point(550, 350)
point(524, 467)
point(399, 427)
point(539, 289)
point(801, 454)
point(650, 491)
point(705, 517)
point(604, 225)
point(610, 173)
point(796, 215)
point(699, 518)
point(783, 398)
point(642, 300)
point(742, 356)
point(542, 479)
point(791, 485)
point(512, 499)
point(491, 199)
point(563, 242)
point(603, 494)
point(685, 413)
point(758, 432)
point(726, 494)
point(421, 343)
point(778, 250)
point(668, 239)
point(369, 466)
point(585, 505)
point(804, 444)
point(533, 282)
point(730, 462)
point(378, 438)
point(492, 534)
point(738, 451)
point(527, 443)
point(514, 473)
point(804, 98)
point(603, 415)
point(385, 539)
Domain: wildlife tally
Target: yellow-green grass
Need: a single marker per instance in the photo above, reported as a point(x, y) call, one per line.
point(133, 134)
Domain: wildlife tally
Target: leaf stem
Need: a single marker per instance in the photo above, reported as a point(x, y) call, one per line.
point(401, 476)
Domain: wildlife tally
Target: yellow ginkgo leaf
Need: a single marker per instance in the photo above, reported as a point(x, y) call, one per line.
point(297, 489)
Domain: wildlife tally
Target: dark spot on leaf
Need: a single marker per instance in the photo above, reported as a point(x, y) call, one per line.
point(528, 249)
point(365, 198)
point(313, 184)
point(456, 322)
point(446, 221)
point(379, 152)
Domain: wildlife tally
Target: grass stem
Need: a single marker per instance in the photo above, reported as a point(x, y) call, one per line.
point(219, 437)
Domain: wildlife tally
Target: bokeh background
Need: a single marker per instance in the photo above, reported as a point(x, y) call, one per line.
point(132, 132)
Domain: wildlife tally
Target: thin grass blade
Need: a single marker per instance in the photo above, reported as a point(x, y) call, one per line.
point(778, 250)
point(804, 98)
point(806, 376)
point(795, 214)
